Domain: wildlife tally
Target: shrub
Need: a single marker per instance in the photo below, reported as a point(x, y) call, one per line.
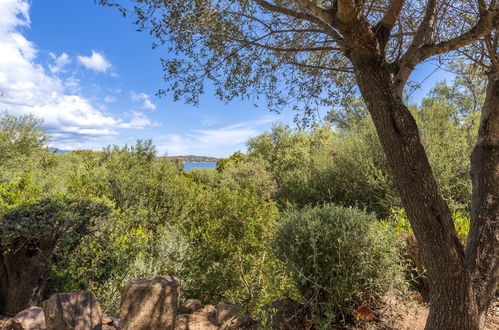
point(229, 256)
point(341, 258)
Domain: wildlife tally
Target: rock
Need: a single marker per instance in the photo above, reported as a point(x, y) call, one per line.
point(203, 319)
point(112, 326)
point(209, 309)
point(5, 322)
point(111, 323)
point(72, 311)
point(29, 319)
point(190, 306)
point(232, 316)
point(149, 304)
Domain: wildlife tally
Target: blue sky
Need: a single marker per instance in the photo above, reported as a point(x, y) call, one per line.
point(85, 70)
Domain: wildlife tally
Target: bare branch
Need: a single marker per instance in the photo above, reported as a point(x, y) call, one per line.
point(316, 9)
point(408, 60)
point(320, 67)
point(424, 30)
point(483, 27)
point(385, 26)
point(392, 14)
point(286, 49)
point(301, 15)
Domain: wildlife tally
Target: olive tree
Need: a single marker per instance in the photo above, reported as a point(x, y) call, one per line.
point(304, 53)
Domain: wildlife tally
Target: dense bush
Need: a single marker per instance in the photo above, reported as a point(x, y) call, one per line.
point(316, 166)
point(128, 213)
point(229, 253)
point(341, 258)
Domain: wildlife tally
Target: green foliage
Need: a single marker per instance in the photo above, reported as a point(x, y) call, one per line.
point(400, 222)
point(235, 158)
point(229, 255)
point(18, 192)
point(341, 258)
point(449, 135)
point(20, 136)
point(318, 166)
point(55, 219)
point(114, 252)
point(126, 213)
point(22, 147)
point(248, 173)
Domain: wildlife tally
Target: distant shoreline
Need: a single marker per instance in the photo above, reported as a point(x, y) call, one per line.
point(194, 159)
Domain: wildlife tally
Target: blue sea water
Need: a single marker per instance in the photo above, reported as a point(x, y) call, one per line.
point(188, 166)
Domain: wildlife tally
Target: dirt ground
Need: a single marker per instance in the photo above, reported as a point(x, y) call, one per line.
point(413, 317)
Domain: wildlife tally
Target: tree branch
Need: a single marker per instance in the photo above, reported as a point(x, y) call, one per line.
point(408, 60)
point(301, 15)
point(286, 49)
point(316, 9)
point(484, 26)
point(385, 26)
point(346, 10)
point(320, 67)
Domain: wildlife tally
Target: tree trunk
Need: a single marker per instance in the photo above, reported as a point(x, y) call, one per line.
point(483, 240)
point(452, 299)
point(23, 266)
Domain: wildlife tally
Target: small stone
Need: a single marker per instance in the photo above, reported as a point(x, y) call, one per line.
point(203, 319)
point(190, 306)
point(231, 316)
point(209, 309)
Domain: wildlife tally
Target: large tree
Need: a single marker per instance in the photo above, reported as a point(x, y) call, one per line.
point(305, 52)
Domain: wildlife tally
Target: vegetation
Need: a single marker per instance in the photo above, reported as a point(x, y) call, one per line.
point(302, 54)
point(309, 215)
point(341, 258)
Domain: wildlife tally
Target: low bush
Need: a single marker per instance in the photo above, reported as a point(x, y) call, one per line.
point(341, 258)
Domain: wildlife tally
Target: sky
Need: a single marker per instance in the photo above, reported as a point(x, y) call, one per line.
point(92, 78)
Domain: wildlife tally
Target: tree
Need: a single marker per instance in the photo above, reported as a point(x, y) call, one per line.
point(30, 230)
point(20, 136)
point(308, 51)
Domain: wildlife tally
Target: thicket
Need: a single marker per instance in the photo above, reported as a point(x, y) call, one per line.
point(340, 258)
point(298, 216)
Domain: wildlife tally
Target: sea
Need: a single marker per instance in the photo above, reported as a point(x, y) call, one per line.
point(190, 165)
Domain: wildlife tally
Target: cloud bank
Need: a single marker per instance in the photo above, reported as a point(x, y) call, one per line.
point(26, 87)
point(214, 142)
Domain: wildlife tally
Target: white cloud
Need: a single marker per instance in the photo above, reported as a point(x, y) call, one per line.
point(215, 142)
point(139, 121)
point(109, 99)
point(96, 62)
point(208, 121)
point(59, 62)
point(144, 98)
point(71, 119)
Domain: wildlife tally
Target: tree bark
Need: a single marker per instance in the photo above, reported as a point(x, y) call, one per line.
point(483, 240)
point(23, 266)
point(452, 298)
